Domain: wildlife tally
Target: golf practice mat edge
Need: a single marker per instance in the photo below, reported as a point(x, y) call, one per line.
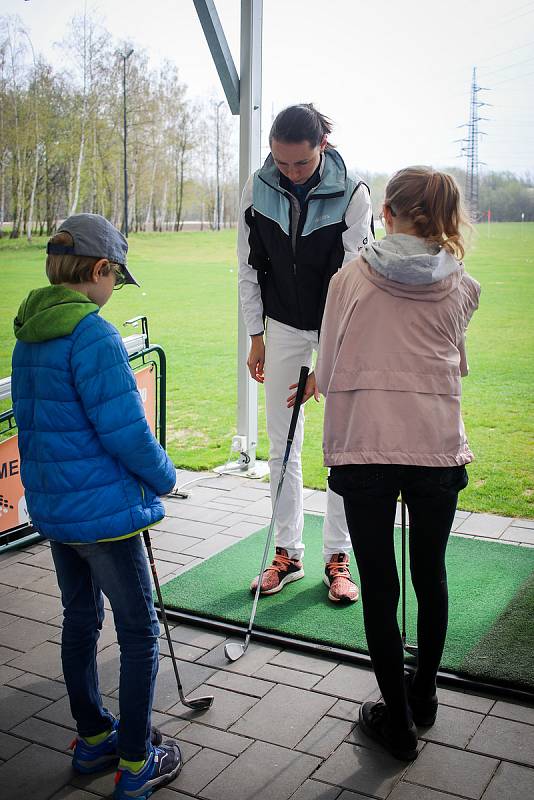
point(491, 600)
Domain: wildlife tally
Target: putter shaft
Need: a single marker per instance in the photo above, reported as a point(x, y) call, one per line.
point(231, 649)
point(411, 649)
point(194, 703)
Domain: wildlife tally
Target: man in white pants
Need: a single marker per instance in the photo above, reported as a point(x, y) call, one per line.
point(301, 219)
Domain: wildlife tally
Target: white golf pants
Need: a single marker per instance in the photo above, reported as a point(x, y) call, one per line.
point(287, 349)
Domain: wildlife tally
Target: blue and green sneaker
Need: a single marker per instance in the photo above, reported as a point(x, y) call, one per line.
point(89, 758)
point(161, 767)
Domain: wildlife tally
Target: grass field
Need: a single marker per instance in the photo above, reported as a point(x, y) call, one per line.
point(189, 293)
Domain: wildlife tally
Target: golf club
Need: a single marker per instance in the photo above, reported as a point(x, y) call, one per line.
point(234, 650)
point(411, 649)
point(196, 703)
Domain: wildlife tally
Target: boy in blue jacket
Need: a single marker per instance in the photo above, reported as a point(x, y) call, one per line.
point(93, 473)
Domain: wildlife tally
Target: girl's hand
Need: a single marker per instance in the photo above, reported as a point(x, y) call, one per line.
point(311, 390)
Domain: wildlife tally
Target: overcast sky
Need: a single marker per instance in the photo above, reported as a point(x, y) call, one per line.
point(394, 76)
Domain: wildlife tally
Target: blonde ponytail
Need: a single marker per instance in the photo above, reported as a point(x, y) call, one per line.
point(430, 202)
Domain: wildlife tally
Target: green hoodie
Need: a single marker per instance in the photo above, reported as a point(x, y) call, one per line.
point(50, 313)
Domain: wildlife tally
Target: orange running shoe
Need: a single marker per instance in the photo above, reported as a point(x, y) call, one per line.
point(337, 577)
point(282, 570)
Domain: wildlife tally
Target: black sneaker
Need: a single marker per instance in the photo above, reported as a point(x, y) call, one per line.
point(155, 736)
point(161, 767)
point(424, 709)
point(374, 722)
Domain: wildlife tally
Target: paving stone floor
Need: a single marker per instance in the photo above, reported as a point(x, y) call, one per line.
point(283, 724)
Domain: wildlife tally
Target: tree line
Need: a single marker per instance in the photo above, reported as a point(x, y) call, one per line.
point(61, 138)
point(506, 195)
point(61, 142)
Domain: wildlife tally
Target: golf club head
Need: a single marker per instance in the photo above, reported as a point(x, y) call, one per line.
point(411, 649)
point(233, 651)
point(200, 703)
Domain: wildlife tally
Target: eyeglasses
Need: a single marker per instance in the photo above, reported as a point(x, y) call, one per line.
point(120, 276)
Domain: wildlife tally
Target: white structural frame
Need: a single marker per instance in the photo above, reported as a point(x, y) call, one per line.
point(243, 94)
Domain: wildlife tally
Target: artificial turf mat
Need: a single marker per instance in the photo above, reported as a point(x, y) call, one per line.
point(491, 597)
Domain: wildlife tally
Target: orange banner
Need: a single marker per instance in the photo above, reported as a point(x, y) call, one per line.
point(13, 510)
point(146, 383)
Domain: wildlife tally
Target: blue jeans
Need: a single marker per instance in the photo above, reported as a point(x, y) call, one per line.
point(120, 571)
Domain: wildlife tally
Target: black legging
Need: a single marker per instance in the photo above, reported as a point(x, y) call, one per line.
point(370, 495)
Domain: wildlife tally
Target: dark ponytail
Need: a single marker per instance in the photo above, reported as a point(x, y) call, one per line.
point(300, 123)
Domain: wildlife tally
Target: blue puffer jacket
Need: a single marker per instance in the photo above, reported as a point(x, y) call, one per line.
point(90, 465)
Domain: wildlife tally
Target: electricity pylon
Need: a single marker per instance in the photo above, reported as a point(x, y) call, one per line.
point(470, 148)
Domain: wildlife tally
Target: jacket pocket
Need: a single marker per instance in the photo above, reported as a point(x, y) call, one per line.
point(367, 480)
point(453, 479)
point(147, 495)
point(434, 481)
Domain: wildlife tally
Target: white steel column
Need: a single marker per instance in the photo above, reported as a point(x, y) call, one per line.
point(244, 98)
point(249, 161)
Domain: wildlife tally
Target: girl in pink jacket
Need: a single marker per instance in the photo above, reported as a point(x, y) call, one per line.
point(391, 355)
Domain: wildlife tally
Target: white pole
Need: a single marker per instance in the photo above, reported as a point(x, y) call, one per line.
point(249, 161)
point(244, 98)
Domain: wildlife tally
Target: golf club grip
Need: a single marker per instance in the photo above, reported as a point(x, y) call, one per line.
point(303, 377)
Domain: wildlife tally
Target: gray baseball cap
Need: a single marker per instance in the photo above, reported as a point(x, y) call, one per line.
point(96, 237)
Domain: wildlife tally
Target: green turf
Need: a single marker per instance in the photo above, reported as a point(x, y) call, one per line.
point(189, 292)
point(485, 581)
point(509, 641)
